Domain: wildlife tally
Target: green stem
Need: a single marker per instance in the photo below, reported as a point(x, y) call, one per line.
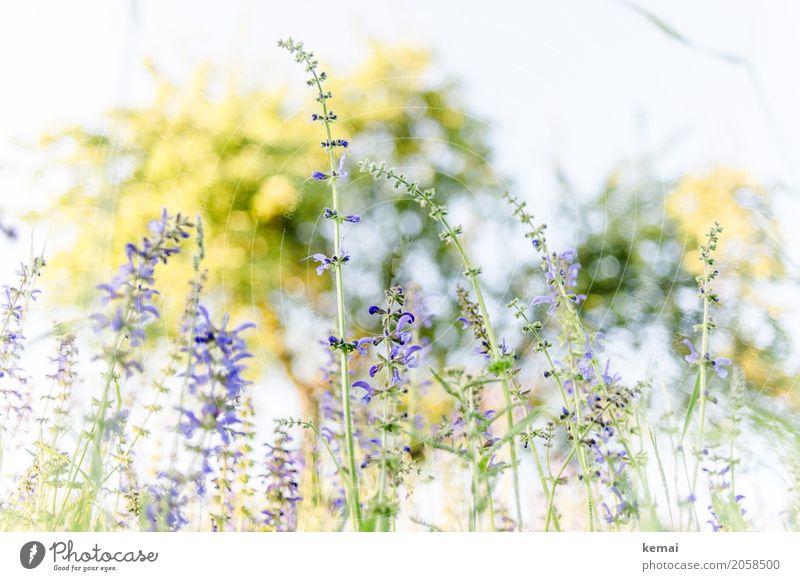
point(703, 384)
point(545, 487)
point(578, 327)
point(475, 459)
point(572, 426)
point(352, 484)
point(311, 426)
point(566, 298)
point(551, 500)
point(317, 80)
point(438, 214)
point(472, 274)
point(384, 522)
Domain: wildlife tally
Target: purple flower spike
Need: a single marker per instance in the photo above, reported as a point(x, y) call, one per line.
point(131, 290)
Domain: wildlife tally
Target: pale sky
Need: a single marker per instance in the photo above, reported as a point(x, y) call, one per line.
point(584, 82)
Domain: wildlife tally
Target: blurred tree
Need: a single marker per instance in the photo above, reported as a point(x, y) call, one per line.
point(243, 160)
point(640, 260)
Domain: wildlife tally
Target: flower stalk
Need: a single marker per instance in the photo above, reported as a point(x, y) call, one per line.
point(335, 263)
point(500, 364)
point(703, 359)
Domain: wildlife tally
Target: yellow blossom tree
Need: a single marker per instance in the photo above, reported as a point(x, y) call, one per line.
point(243, 160)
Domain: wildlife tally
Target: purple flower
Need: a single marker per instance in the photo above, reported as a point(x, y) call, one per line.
point(331, 143)
point(166, 502)
point(572, 275)
point(367, 388)
point(216, 385)
point(548, 299)
point(16, 397)
point(319, 176)
point(404, 319)
point(340, 171)
point(324, 263)
point(718, 365)
point(692, 357)
point(568, 255)
point(361, 345)
point(608, 378)
point(550, 268)
point(281, 481)
point(395, 357)
point(330, 214)
point(129, 295)
point(396, 335)
point(411, 357)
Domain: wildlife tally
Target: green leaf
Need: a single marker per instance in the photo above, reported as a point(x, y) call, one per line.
point(444, 384)
point(518, 428)
point(659, 23)
point(421, 438)
point(691, 406)
point(670, 31)
point(729, 513)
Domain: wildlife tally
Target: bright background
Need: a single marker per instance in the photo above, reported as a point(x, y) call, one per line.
point(584, 83)
point(577, 85)
point(580, 85)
